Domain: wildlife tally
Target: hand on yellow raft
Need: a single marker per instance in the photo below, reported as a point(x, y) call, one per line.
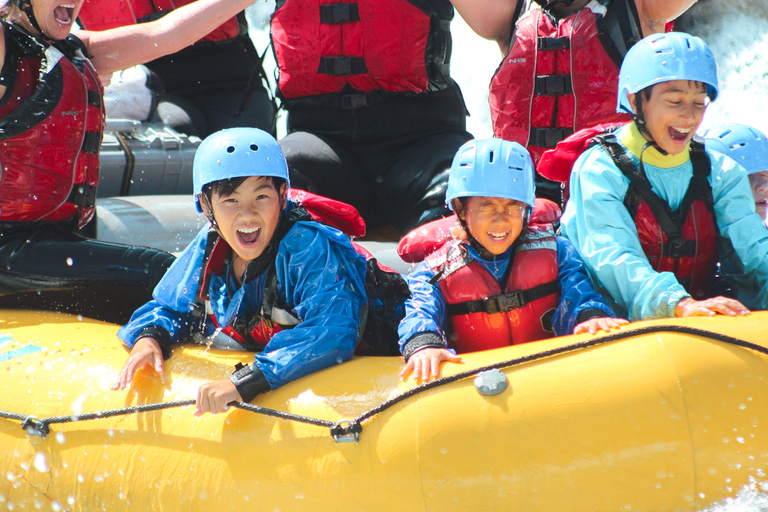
point(603, 323)
point(687, 306)
point(212, 397)
point(425, 364)
point(145, 352)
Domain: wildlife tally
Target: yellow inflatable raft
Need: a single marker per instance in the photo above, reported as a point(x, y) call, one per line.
point(663, 415)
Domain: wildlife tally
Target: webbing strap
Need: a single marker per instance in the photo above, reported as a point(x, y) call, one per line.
point(339, 13)
point(505, 302)
point(342, 66)
point(548, 137)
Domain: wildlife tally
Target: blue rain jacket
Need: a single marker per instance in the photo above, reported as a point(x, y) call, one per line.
point(320, 279)
point(425, 311)
point(604, 233)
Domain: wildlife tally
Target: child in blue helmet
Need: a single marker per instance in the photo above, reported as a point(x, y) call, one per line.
point(650, 207)
point(506, 279)
point(749, 147)
point(264, 277)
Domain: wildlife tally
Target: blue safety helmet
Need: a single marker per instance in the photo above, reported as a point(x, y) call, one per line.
point(491, 168)
point(662, 58)
point(235, 153)
point(747, 145)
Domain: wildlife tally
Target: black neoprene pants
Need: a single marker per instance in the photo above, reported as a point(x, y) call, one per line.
point(46, 266)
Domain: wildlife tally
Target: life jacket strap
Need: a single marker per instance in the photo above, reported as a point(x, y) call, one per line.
point(339, 13)
point(505, 302)
point(548, 137)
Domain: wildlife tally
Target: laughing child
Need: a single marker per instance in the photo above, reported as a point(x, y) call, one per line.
point(650, 206)
point(507, 279)
point(264, 277)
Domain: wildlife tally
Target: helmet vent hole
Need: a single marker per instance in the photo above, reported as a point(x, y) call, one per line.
point(491, 157)
point(254, 147)
point(230, 149)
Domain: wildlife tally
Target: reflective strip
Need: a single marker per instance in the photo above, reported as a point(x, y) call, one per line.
point(29, 349)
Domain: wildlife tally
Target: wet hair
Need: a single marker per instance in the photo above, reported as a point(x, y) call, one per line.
point(227, 187)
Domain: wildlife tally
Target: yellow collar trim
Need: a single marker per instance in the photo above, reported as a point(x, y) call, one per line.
point(630, 138)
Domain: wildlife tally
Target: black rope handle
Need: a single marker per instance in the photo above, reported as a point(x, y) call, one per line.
point(352, 428)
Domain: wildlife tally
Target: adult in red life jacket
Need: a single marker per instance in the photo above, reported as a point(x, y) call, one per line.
point(561, 62)
point(216, 83)
point(52, 120)
point(506, 280)
point(650, 207)
point(374, 117)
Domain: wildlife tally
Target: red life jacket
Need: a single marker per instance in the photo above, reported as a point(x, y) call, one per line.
point(561, 76)
point(107, 14)
point(684, 241)
point(384, 286)
point(389, 46)
point(485, 316)
point(51, 123)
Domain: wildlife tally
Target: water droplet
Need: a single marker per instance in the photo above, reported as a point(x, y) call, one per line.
point(40, 463)
point(60, 437)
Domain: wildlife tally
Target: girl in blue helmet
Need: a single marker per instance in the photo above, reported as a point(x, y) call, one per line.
point(650, 207)
point(506, 279)
point(263, 277)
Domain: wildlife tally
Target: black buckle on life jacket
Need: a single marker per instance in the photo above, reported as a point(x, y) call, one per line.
point(504, 303)
point(553, 85)
point(82, 195)
point(94, 98)
point(678, 248)
point(91, 143)
point(339, 13)
point(548, 137)
point(342, 66)
point(553, 43)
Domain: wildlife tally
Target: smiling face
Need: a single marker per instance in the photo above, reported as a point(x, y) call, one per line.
point(759, 183)
point(673, 112)
point(247, 218)
point(494, 222)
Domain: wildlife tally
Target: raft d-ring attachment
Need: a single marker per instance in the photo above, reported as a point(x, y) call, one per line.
point(35, 427)
point(346, 431)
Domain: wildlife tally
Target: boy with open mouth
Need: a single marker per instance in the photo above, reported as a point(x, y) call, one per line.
point(651, 207)
point(264, 277)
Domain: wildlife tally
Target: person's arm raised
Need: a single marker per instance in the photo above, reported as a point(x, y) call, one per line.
point(490, 19)
point(654, 14)
point(123, 47)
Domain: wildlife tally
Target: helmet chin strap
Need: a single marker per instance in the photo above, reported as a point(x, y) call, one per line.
point(26, 8)
point(642, 127)
point(208, 211)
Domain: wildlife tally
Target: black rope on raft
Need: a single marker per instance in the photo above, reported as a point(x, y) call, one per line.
point(354, 426)
point(350, 429)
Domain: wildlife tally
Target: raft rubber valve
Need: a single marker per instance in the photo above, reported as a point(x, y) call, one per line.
point(491, 382)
